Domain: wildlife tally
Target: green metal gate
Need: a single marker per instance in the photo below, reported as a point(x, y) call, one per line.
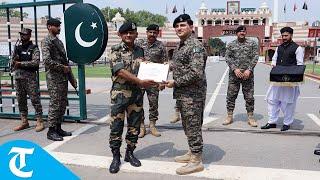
point(4, 60)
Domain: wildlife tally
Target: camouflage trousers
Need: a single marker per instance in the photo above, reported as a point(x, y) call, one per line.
point(192, 119)
point(130, 103)
point(28, 87)
point(153, 97)
point(58, 93)
point(233, 91)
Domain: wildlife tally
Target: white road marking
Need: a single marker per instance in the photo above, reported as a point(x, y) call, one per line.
point(263, 95)
point(170, 93)
point(208, 108)
point(314, 118)
point(169, 168)
point(306, 97)
point(76, 133)
point(164, 152)
point(240, 94)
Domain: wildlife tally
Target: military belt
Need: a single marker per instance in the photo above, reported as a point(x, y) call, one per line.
point(124, 86)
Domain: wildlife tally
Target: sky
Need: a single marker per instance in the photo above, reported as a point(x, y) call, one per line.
point(192, 6)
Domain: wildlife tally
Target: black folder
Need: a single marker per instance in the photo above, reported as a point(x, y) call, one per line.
point(287, 73)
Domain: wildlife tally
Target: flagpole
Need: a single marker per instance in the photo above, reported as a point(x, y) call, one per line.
point(109, 14)
point(306, 17)
point(285, 17)
point(305, 7)
point(285, 12)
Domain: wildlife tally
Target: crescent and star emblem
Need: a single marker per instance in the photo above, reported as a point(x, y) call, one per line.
point(80, 40)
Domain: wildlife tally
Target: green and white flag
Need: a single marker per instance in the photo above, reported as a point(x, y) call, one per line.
point(86, 33)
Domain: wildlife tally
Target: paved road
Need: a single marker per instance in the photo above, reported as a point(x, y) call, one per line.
point(230, 152)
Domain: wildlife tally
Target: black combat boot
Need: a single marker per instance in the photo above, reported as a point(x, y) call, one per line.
point(115, 165)
point(53, 135)
point(129, 157)
point(62, 132)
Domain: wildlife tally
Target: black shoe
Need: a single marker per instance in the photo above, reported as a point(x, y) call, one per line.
point(285, 128)
point(268, 126)
point(115, 164)
point(129, 157)
point(62, 132)
point(317, 152)
point(53, 135)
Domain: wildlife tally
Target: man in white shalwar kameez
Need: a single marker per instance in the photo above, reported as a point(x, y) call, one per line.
point(281, 97)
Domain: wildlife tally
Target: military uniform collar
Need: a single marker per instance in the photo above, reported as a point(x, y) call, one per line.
point(245, 40)
point(52, 36)
point(186, 41)
point(145, 42)
point(153, 44)
point(125, 47)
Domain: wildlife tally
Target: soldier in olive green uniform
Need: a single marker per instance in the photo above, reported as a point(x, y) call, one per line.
point(58, 73)
point(241, 57)
point(126, 95)
point(154, 51)
point(190, 87)
point(26, 60)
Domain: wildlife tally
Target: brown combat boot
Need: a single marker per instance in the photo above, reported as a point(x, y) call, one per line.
point(142, 130)
point(184, 158)
point(40, 125)
point(251, 121)
point(194, 165)
point(24, 124)
point(153, 129)
point(176, 116)
point(229, 119)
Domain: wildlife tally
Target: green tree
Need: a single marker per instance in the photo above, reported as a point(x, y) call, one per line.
point(110, 13)
point(142, 18)
point(13, 12)
point(217, 47)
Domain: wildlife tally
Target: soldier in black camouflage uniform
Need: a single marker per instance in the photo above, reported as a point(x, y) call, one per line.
point(126, 95)
point(190, 87)
point(176, 117)
point(154, 51)
point(26, 59)
point(58, 73)
point(241, 57)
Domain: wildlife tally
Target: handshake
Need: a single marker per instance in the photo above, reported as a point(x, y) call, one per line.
point(168, 84)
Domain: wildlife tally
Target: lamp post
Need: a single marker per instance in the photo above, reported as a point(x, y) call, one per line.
point(315, 44)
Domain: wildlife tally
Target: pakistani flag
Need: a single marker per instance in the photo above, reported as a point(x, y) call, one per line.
point(86, 33)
